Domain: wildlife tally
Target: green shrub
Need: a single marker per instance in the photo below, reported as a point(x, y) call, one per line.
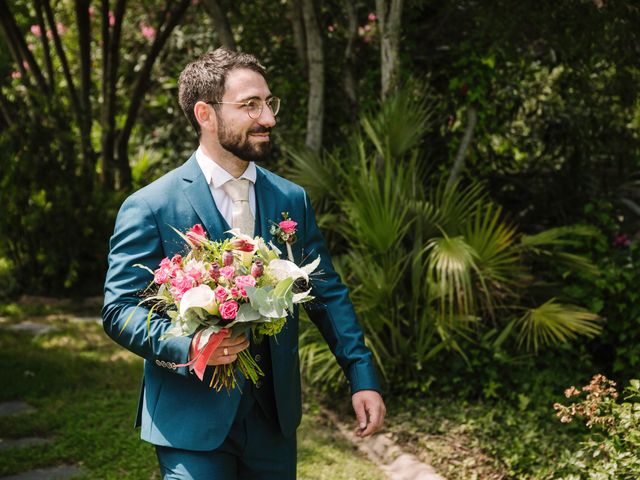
point(611, 450)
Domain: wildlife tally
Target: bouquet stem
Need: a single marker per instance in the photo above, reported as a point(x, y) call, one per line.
point(224, 375)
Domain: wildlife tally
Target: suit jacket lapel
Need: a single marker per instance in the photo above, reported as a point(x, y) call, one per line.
point(198, 193)
point(267, 207)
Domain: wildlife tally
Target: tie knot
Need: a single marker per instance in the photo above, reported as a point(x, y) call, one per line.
point(237, 189)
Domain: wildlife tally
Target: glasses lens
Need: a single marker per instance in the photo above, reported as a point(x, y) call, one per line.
point(274, 104)
point(254, 108)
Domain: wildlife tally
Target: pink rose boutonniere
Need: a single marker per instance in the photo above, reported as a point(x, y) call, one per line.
point(285, 232)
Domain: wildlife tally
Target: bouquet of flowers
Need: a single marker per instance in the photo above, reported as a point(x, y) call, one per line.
point(237, 285)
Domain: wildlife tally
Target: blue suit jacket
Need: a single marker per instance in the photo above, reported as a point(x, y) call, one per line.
point(176, 409)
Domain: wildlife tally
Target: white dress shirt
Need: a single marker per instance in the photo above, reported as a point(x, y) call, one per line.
point(217, 176)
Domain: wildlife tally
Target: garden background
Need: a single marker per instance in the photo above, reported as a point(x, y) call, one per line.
point(474, 167)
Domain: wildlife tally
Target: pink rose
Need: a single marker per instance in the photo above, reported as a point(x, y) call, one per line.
point(227, 272)
point(177, 259)
point(235, 292)
point(245, 281)
point(288, 226)
point(229, 310)
point(196, 235)
point(221, 294)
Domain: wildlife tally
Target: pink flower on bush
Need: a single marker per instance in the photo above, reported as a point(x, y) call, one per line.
point(112, 19)
point(221, 294)
point(61, 28)
point(229, 310)
point(228, 272)
point(621, 240)
point(147, 31)
point(288, 226)
point(35, 29)
point(372, 17)
point(196, 235)
point(15, 75)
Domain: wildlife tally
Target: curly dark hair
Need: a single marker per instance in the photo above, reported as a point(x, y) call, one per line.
point(204, 78)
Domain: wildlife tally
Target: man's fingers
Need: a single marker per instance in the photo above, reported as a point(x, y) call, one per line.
point(361, 415)
point(225, 359)
point(370, 411)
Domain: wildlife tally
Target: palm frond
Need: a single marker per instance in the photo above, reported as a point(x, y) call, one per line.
point(449, 265)
point(499, 268)
point(377, 215)
point(402, 121)
point(544, 244)
point(313, 172)
point(553, 323)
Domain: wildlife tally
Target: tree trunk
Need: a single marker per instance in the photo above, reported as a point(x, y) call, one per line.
point(110, 64)
point(389, 21)
point(458, 163)
point(315, 56)
point(299, 39)
point(84, 41)
point(350, 84)
point(140, 88)
point(221, 24)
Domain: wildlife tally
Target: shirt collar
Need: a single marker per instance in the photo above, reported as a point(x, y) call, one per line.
point(218, 176)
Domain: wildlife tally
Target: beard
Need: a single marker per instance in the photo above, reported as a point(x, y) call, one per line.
point(241, 146)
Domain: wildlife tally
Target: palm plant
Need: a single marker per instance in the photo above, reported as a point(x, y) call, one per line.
point(428, 265)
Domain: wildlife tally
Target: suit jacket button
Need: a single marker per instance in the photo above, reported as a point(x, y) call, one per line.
point(258, 383)
point(258, 357)
point(157, 362)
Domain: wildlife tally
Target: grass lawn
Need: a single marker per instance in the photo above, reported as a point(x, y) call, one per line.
point(85, 390)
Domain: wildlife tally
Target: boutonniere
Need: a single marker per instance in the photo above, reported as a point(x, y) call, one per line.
point(285, 232)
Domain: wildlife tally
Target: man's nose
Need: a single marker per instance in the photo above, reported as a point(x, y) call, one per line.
point(267, 118)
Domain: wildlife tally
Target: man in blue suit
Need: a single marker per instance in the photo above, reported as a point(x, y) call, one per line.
point(248, 433)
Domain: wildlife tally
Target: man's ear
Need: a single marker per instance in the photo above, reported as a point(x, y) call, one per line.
point(205, 116)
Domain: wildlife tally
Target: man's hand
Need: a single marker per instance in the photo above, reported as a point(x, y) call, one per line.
point(370, 411)
point(227, 351)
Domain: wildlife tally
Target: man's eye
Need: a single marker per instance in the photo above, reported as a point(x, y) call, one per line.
point(251, 104)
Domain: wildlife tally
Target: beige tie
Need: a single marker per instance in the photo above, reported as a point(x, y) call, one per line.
point(242, 217)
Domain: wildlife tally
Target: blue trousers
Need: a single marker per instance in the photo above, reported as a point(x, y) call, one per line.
point(254, 449)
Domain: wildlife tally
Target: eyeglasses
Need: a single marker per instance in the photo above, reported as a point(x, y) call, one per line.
point(254, 107)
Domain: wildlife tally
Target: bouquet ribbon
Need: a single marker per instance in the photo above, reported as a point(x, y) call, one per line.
point(202, 355)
